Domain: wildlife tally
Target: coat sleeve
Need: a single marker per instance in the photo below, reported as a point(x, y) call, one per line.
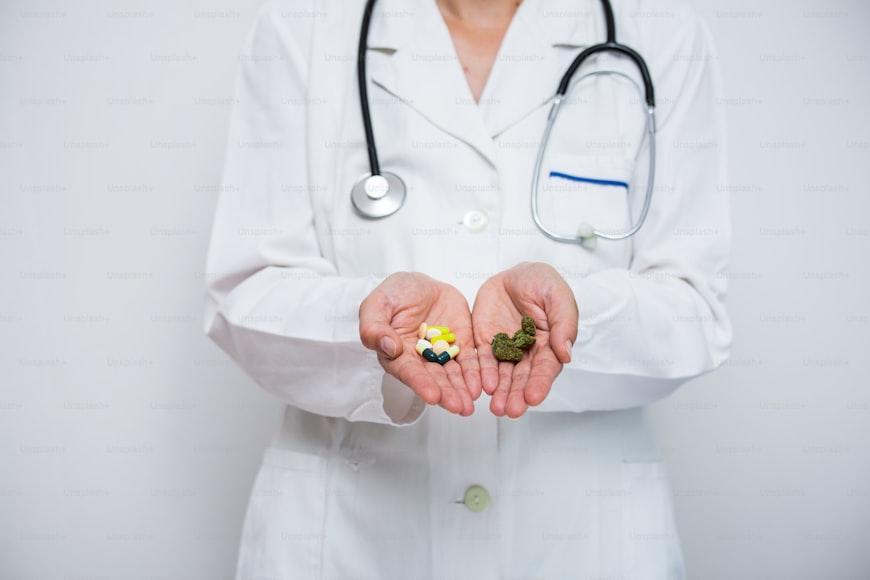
point(647, 329)
point(275, 303)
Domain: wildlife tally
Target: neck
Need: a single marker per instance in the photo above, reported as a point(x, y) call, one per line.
point(479, 10)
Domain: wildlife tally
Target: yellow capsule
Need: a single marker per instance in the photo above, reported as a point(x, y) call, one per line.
point(422, 344)
point(453, 351)
point(443, 329)
point(440, 346)
point(421, 333)
point(448, 336)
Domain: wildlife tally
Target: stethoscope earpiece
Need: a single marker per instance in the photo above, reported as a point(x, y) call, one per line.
point(587, 236)
point(585, 230)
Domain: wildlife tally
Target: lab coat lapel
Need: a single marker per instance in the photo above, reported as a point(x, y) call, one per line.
point(411, 55)
point(543, 38)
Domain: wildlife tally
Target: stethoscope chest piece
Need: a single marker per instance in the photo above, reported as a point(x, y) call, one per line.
point(377, 196)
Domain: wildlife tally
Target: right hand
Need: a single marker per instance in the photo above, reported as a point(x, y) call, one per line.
point(538, 290)
point(389, 319)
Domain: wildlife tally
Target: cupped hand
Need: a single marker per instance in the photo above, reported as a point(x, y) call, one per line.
point(534, 289)
point(390, 318)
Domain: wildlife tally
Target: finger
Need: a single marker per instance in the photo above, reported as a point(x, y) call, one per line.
point(488, 368)
point(562, 319)
point(468, 362)
point(457, 381)
point(450, 399)
point(375, 331)
point(516, 403)
point(499, 396)
point(545, 368)
point(411, 370)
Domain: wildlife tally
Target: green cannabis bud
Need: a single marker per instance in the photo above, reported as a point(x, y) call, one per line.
point(504, 350)
point(528, 325)
point(510, 349)
point(501, 337)
point(522, 340)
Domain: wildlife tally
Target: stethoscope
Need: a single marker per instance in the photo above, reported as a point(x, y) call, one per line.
point(382, 193)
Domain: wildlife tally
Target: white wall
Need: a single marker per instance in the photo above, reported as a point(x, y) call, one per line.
point(128, 442)
point(771, 455)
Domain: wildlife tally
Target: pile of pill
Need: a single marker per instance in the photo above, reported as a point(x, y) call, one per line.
point(435, 344)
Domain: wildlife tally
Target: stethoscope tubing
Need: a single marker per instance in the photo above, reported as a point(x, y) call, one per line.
point(362, 84)
point(610, 45)
point(649, 131)
point(613, 47)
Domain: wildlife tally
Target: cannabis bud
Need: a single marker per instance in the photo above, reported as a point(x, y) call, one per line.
point(523, 340)
point(528, 325)
point(503, 348)
point(508, 349)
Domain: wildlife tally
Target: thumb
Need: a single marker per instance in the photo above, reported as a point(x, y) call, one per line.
point(374, 327)
point(562, 319)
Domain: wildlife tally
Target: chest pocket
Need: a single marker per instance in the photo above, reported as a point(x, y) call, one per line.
point(576, 190)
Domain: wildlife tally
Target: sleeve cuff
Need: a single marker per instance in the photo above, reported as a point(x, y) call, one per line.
point(578, 391)
point(401, 404)
point(389, 402)
point(595, 299)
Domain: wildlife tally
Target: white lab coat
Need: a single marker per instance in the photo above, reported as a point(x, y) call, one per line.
point(363, 480)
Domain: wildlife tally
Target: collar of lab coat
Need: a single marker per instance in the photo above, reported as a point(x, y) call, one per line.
point(411, 55)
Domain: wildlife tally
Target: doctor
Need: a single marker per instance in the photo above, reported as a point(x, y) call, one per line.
point(385, 467)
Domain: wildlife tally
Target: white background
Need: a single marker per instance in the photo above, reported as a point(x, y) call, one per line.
point(128, 442)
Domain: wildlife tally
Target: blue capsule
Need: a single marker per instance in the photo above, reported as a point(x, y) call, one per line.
point(430, 355)
point(443, 358)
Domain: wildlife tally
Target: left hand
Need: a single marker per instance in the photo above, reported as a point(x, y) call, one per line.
point(535, 289)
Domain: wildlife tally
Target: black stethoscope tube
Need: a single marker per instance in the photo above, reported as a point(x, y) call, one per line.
point(609, 21)
point(649, 91)
point(374, 163)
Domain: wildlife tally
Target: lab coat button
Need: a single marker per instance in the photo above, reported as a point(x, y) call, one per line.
point(476, 498)
point(475, 220)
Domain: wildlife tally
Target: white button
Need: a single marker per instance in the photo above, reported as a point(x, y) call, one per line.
point(475, 220)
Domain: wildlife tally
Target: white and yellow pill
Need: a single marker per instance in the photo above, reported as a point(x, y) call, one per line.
point(422, 344)
point(453, 351)
point(431, 332)
point(421, 333)
point(440, 346)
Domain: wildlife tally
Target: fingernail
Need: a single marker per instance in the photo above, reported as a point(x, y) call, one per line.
point(568, 346)
point(388, 346)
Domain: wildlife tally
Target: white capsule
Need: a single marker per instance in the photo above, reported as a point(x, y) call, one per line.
point(453, 351)
point(432, 332)
point(440, 346)
point(422, 344)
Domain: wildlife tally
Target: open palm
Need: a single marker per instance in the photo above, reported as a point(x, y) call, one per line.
point(389, 320)
point(529, 289)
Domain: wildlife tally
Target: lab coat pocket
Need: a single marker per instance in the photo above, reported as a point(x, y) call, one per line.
point(650, 539)
point(283, 530)
point(577, 190)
